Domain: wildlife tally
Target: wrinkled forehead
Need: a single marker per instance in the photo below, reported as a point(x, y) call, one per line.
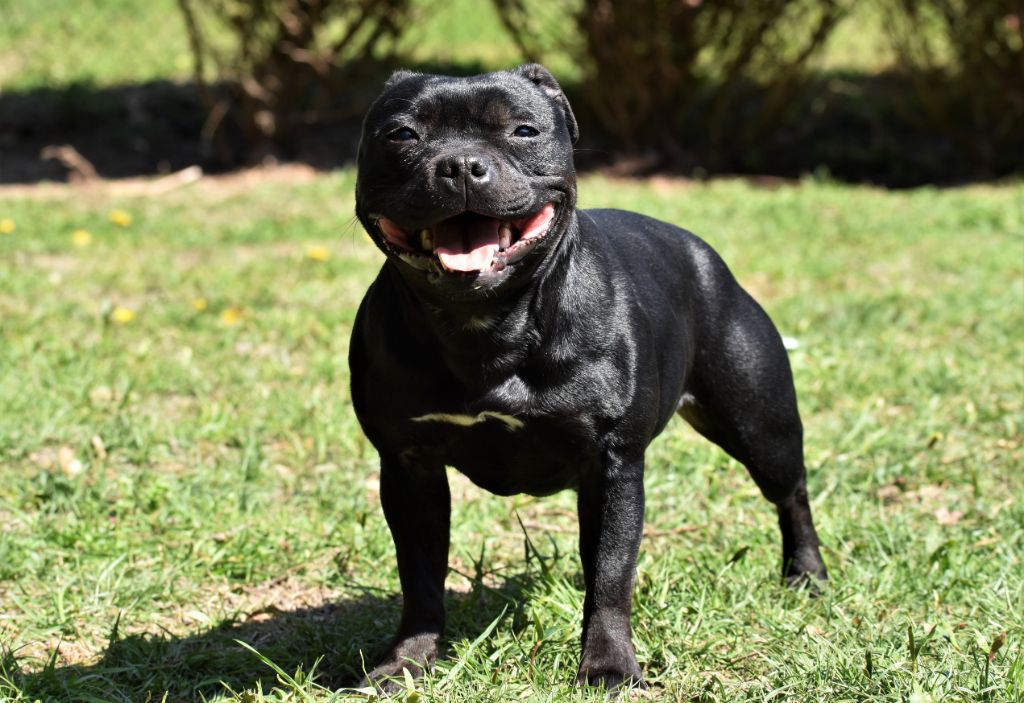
point(459, 103)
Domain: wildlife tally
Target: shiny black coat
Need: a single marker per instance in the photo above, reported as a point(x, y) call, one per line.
point(557, 371)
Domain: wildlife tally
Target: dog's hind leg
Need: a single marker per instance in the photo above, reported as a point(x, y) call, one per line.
point(741, 397)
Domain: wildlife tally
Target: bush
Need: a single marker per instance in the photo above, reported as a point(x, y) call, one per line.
point(703, 80)
point(965, 59)
point(276, 65)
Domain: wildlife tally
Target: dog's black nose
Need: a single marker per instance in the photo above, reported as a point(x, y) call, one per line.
point(477, 167)
point(472, 168)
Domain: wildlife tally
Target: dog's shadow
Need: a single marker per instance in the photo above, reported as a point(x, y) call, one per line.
point(341, 640)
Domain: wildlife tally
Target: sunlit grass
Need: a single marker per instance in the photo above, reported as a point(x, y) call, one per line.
point(181, 467)
point(111, 42)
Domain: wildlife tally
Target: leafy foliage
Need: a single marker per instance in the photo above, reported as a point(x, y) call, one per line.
point(966, 61)
point(279, 63)
point(719, 76)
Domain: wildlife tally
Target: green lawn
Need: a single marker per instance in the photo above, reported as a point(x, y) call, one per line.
point(110, 42)
point(180, 466)
point(101, 42)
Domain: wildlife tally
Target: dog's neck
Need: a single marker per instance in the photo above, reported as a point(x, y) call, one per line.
point(484, 340)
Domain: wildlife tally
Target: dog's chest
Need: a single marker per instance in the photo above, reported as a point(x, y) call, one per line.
point(502, 452)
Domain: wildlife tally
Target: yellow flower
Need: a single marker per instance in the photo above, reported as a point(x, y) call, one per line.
point(122, 316)
point(199, 304)
point(120, 218)
point(7, 226)
point(81, 238)
point(231, 316)
point(318, 253)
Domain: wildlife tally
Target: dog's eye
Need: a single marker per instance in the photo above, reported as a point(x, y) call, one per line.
point(525, 130)
point(403, 134)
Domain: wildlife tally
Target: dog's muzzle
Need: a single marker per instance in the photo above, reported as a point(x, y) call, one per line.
point(468, 242)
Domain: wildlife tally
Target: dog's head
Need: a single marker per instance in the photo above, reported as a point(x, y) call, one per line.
point(467, 182)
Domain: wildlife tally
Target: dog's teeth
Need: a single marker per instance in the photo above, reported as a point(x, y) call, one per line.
point(426, 240)
point(504, 237)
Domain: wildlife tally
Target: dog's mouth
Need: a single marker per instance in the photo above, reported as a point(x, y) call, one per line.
point(468, 242)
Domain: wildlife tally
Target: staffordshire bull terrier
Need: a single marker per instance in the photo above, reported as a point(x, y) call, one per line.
point(536, 347)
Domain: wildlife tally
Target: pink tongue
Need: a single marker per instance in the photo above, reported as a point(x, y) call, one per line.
point(466, 246)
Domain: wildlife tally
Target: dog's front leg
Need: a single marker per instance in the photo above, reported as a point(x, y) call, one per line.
point(417, 506)
point(611, 509)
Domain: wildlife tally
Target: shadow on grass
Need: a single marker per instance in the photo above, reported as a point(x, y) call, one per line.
point(122, 132)
point(339, 639)
point(853, 127)
point(155, 128)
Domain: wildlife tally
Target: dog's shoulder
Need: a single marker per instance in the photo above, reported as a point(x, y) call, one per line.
point(636, 241)
point(625, 227)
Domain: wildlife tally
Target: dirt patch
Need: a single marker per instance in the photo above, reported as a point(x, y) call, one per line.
point(259, 603)
point(155, 186)
point(68, 652)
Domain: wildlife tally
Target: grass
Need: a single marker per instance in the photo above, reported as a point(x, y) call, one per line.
point(96, 42)
point(102, 43)
point(189, 511)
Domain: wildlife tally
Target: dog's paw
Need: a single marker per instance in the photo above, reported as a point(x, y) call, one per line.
point(613, 673)
point(414, 654)
point(805, 572)
point(612, 680)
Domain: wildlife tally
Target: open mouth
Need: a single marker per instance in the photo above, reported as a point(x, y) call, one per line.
point(469, 242)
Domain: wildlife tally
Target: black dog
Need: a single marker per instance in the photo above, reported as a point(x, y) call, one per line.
point(536, 347)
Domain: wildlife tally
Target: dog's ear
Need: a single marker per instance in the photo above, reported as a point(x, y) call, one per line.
point(540, 76)
point(397, 77)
